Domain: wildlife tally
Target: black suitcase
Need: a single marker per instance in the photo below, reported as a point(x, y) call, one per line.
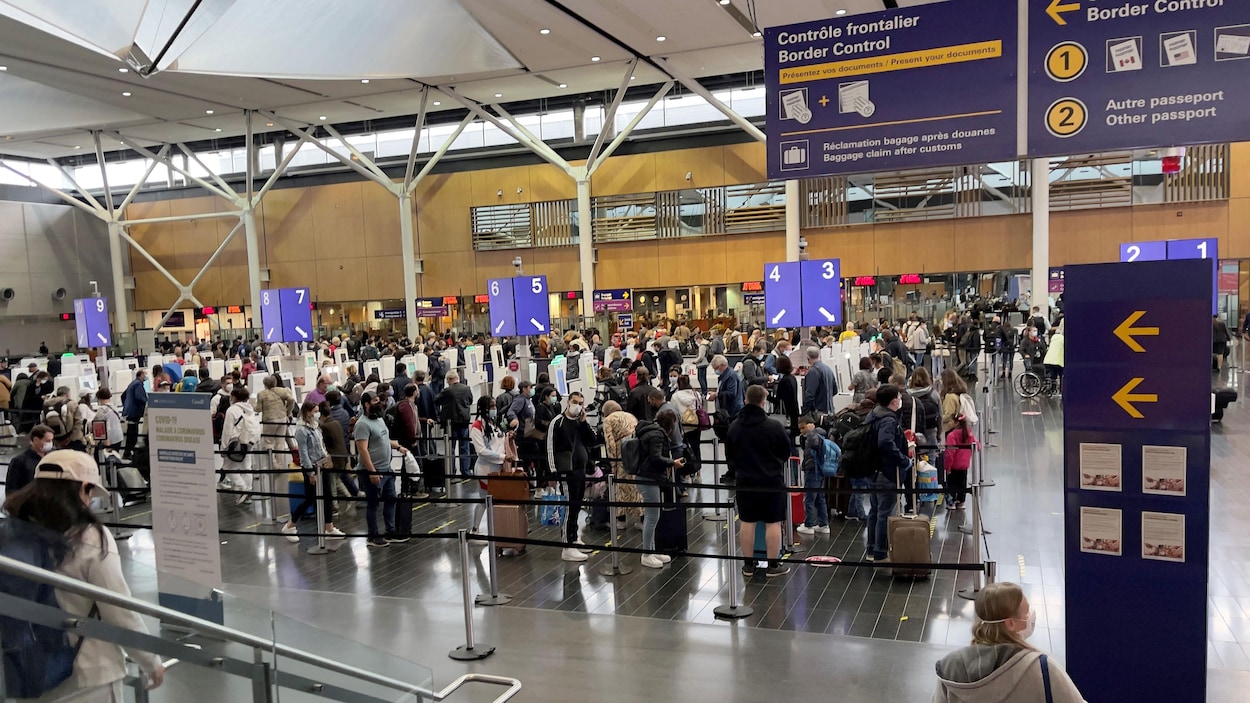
point(434, 472)
point(839, 503)
point(1223, 398)
point(670, 532)
point(403, 515)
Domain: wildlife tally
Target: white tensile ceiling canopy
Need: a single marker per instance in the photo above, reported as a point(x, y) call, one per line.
point(161, 71)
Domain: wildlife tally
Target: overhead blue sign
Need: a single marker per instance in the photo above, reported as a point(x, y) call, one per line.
point(296, 314)
point(533, 314)
point(390, 314)
point(1137, 461)
point(1135, 75)
point(905, 88)
point(1131, 252)
point(822, 292)
point(91, 322)
point(783, 296)
point(271, 315)
point(502, 307)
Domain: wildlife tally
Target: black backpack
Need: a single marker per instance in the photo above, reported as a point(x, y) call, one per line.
point(841, 425)
point(861, 457)
point(633, 456)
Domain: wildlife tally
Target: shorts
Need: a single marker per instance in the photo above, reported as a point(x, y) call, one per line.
point(756, 506)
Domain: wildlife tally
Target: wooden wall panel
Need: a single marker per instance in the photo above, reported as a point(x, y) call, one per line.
point(153, 291)
point(1089, 236)
point(631, 265)
point(1239, 169)
point(622, 175)
point(693, 262)
point(447, 274)
point(444, 229)
point(745, 163)
point(1237, 243)
point(994, 243)
point(342, 279)
point(287, 225)
point(386, 278)
point(747, 254)
point(1186, 221)
point(548, 182)
point(561, 266)
point(706, 167)
point(854, 245)
point(495, 264)
point(380, 211)
point(488, 183)
point(234, 287)
point(915, 247)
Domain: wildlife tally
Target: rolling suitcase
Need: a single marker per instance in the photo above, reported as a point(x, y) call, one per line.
point(434, 472)
point(511, 522)
point(839, 503)
point(511, 486)
point(403, 515)
point(798, 515)
point(910, 543)
point(670, 531)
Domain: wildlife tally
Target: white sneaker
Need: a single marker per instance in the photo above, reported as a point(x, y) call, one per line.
point(663, 557)
point(581, 547)
point(805, 530)
point(652, 561)
point(570, 554)
point(242, 499)
point(335, 533)
point(292, 534)
point(823, 530)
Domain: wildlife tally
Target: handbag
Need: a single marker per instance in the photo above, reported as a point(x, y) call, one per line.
point(532, 431)
point(596, 487)
point(549, 513)
point(510, 454)
point(700, 413)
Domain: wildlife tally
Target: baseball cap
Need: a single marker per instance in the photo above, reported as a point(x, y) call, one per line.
point(70, 465)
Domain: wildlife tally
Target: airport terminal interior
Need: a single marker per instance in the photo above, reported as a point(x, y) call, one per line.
point(306, 198)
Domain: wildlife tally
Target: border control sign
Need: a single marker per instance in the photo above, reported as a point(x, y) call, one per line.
point(909, 88)
point(1146, 73)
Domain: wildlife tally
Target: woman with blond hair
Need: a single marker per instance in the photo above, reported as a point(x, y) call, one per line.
point(1000, 666)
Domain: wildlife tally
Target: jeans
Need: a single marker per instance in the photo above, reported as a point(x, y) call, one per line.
point(815, 505)
point(703, 379)
point(132, 435)
point(460, 437)
point(384, 494)
point(309, 503)
point(880, 507)
point(651, 515)
point(918, 358)
point(856, 504)
point(1008, 362)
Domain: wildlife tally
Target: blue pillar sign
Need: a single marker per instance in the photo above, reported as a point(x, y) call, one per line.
point(822, 292)
point(783, 295)
point(905, 88)
point(91, 322)
point(271, 315)
point(1131, 252)
point(502, 307)
point(1137, 461)
point(296, 314)
point(533, 313)
point(1125, 75)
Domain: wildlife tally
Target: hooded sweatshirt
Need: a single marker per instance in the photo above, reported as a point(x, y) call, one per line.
point(1000, 673)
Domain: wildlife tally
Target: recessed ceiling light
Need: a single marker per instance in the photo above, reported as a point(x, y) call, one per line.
point(217, 130)
point(544, 30)
point(126, 94)
point(77, 146)
point(4, 68)
point(724, 2)
point(437, 103)
point(208, 112)
point(840, 12)
point(632, 77)
point(321, 117)
point(594, 58)
point(123, 70)
point(364, 80)
point(756, 34)
point(661, 38)
point(499, 95)
point(268, 124)
point(562, 85)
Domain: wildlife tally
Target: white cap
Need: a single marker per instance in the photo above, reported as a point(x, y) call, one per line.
point(70, 465)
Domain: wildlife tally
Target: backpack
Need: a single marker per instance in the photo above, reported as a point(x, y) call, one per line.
point(842, 426)
point(37, 658)
point(830, 458)
point(248, 433)
point(899, 367)
point(861, 457)
point(968, 408)
point(633, 457)
point(55, 418)
point(219, 416)
point(390, 418)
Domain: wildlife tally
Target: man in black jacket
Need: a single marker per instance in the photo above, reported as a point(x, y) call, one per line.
point(636, 402)
point(895, 456)
point(668, 358)
point(753, 366)
point(454, 408)
point(22, 467)
point(206, 384)
point(759, 448)
point(569, 441)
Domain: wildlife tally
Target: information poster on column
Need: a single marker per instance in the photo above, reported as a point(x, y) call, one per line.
point(184, 503)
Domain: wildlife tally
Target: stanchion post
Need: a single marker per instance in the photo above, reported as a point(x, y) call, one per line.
point(716, 515)
point(614, 567)
point(267, 513)
point(974, 486)
point(734, 610)
point(495, 597)
point(971, 592)
point(319, 488)
point(471, 650)
point(447, 460)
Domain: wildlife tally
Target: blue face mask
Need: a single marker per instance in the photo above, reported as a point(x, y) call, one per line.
point(493, 413)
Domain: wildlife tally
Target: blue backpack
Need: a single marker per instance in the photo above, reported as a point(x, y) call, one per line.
point(37, 658)
point(830, 458)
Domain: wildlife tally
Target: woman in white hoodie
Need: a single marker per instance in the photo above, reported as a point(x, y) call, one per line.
point(1000, 666)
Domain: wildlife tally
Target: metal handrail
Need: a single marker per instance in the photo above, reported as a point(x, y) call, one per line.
point(104, 595)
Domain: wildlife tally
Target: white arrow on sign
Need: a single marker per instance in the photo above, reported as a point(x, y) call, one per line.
point(499, 326)
point(828, 315)
point(537, 325)
point(102, 338)
point(82, 341)
point(300, 331)
point(269, 335)
point(780, 314)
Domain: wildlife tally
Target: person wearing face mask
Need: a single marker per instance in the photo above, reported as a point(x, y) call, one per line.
point(374, 445)
point(488, 444)
point(569, 440)
point(134, 405)
point(895, 456)
point(453, 404)
point(312, 456)
point(22, 467)
point(1000, 666)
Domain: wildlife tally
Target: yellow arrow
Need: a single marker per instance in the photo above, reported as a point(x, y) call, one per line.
point(1126, 331)
point(1058, 7)
point(1125, 397)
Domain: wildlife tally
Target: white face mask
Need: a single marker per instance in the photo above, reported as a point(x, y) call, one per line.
point(48, 446)
point(1027, 632)
point(574, 410)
